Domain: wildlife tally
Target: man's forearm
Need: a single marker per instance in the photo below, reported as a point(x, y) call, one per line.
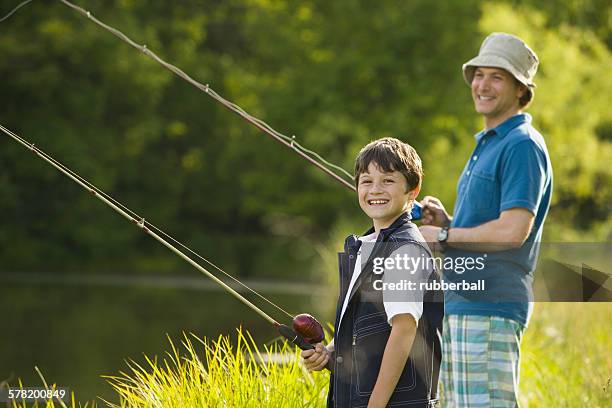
point(485, 237)
point(507, 232)
point(394, 360)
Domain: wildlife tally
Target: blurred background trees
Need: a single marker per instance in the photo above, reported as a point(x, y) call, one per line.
point(336, 74)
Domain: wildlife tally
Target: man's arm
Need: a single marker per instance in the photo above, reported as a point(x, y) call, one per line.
point(509, 231)
point(524, 175)
point(394, 359)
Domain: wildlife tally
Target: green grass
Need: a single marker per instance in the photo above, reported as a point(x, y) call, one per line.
point(49, 404)
point(213, 374)
point(566, 356)
point(566, 362)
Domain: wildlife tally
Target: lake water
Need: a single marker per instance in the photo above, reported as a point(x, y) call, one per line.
point(79, 329)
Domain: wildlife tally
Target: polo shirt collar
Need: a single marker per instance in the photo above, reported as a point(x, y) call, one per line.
point(505, 127)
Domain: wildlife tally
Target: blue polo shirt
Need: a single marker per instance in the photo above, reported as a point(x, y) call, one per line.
point(509, 168)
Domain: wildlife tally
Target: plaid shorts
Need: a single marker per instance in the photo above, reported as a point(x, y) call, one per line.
point(480, 361)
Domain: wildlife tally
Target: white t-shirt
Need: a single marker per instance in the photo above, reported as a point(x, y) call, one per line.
point(392, 307)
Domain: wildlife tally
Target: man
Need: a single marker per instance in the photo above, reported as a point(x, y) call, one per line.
point(503, 197)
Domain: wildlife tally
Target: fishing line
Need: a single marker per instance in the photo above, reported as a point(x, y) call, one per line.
point(289, 141)
point(309, 155)
point(14, 10)
point(303, 324)
point(306, 329)
point(128, 213)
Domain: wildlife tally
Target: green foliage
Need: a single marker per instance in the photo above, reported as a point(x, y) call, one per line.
point(571, 104)
point(565, 363)
point(229, 375)
point(152, 136)
point(565, 358)
point(590, 15)
point(335, 74)
point(72, 401)
point(560, 367)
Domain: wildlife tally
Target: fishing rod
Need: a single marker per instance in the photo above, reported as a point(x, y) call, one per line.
point(309, 155)
point(288, 141)
point(306, 329)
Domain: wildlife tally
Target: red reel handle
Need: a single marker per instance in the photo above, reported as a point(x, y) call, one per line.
point(294, 337)
point(298, 340)
point(309, 327)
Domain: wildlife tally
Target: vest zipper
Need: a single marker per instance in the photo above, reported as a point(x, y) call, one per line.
point(354, 339)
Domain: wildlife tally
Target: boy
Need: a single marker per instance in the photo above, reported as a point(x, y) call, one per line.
point(386, 346)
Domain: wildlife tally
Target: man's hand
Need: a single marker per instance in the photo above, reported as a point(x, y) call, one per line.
point(315, 360)
point(430, 233)
point(434, 213)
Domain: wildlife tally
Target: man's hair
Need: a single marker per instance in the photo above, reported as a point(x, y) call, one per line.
point(390, 155)
point(526, 98)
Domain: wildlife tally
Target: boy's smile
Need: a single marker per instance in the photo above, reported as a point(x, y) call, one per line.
point(383, 196)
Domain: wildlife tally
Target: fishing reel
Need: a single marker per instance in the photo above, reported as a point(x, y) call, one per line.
point(306, 331)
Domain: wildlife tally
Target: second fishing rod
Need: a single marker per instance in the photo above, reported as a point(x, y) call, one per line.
point(305, 330)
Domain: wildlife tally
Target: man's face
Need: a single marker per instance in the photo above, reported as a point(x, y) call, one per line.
point(495, 92)
point(383, 196)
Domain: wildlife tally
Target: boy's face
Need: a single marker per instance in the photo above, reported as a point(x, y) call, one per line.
point(383, 196)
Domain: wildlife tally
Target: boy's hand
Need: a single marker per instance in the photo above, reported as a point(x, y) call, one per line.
point(434, 212)
point(315, 360)
point(394, 359)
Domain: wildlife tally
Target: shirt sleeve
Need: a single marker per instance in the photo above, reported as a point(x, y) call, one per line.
point(523, 177)
point(403, 292)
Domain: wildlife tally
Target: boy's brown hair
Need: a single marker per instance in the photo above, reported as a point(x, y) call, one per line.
point(391, 154)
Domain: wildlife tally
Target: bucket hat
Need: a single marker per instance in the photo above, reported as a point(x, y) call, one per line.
point(506, 51)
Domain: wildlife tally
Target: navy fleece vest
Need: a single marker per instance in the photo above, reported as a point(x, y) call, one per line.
point(362, 337)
